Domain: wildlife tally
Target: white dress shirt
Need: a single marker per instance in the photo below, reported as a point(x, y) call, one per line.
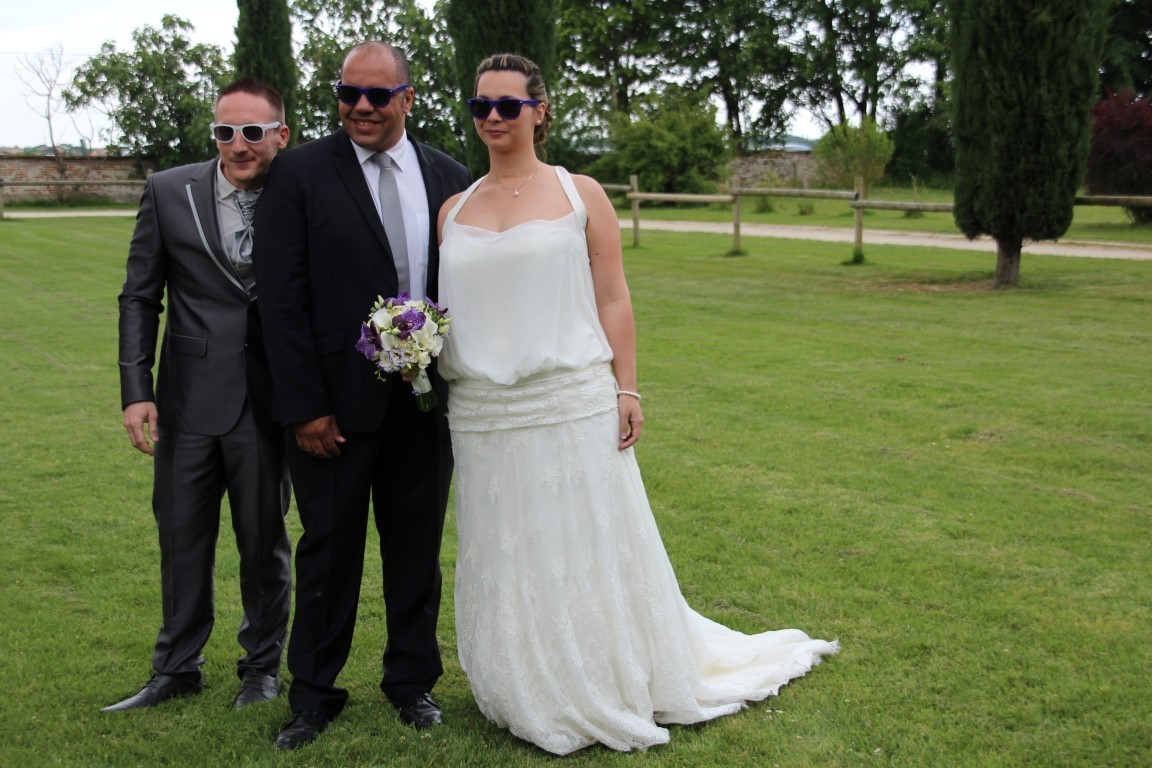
point(413, 204)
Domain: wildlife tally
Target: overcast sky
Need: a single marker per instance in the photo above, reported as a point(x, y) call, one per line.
point(31, 27)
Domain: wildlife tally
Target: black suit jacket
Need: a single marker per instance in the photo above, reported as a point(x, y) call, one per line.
point(212, 356)
point(322, 258)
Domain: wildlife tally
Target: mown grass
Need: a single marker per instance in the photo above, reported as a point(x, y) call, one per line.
point(951, 480)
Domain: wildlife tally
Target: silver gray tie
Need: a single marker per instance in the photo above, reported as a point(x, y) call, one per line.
point(242, 253)
point(393, 218)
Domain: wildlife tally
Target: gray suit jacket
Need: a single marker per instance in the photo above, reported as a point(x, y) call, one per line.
point(212, 357)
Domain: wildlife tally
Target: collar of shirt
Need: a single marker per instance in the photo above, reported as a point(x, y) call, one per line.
point(227, 209)
point(400, 153)
point(224, 188)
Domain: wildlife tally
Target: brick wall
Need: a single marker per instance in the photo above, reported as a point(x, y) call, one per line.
point(89, 169)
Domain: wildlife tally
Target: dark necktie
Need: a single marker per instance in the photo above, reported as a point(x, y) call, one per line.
point(392, 217)
point(242, 254)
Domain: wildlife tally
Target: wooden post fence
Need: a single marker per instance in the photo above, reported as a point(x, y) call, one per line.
point(633, 195)
point(858, 223)
point(855, 199)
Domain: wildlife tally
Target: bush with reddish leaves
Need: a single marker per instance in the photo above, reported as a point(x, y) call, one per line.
point(1120, 159)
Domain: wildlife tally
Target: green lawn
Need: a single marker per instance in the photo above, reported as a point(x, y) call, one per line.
point(951, 480)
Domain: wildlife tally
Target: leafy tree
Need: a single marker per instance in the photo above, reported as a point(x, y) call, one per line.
point(611, 49)
point(732, 50)
point(1128, 49)
point(159, 96)
point(921, 127)
point(1120, 158)
point(922, 144)
point(609, 55)
point(674, 145)
point(846, 152)
point(479, 29)
point(264, 49)
point(854, 54)
point(1026, 74)
point(330, 27)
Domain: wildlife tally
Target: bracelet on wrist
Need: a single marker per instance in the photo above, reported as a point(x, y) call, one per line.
point(628, 392)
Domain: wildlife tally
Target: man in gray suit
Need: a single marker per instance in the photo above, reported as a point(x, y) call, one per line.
point(207, 423)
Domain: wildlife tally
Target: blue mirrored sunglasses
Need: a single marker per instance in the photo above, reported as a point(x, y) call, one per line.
point(509, 109)
point(377, 97)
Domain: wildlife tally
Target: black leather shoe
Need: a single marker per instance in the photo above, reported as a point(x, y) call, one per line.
point(158, 688)
point(256, 687)
point(302, 729)
point(422, 712)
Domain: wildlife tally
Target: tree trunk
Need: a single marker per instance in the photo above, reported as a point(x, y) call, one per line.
point(1007, 263)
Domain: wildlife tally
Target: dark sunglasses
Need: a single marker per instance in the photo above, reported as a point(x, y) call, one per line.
point(377, 97)
point(253, 133)
point(509, 109)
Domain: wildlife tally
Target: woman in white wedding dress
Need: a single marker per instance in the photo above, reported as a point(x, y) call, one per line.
point(570, 623)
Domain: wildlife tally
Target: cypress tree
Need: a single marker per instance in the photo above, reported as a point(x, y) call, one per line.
point(264, 49)
point(1026, 74)
point(480, 29)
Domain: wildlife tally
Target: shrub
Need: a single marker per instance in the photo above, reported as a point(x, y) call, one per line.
point(846, 152)
point(1120, 158)
point(674, 146)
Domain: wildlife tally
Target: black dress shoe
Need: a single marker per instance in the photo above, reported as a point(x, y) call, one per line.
point(302, 729)
point(158, 688)
point(256, 687)
point(422, 712)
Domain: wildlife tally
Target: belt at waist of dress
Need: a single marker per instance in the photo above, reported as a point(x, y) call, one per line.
point(548, 398)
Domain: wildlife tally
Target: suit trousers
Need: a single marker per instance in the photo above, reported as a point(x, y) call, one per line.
point(191, 474)
point(401, 467)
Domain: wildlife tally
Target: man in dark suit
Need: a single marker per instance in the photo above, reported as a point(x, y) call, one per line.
point(345, 219)
point(209, 418)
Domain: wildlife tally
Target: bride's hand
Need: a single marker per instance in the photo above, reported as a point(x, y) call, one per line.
point(631, 420)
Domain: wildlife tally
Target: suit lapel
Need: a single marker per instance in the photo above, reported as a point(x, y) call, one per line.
point(350, 173)
point(201, 191)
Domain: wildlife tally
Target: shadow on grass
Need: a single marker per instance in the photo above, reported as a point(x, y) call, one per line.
point(936, 282)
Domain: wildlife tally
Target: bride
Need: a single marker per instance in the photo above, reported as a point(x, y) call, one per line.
point(570, 623)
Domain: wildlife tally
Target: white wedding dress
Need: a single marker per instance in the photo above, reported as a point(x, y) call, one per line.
point(570, 623)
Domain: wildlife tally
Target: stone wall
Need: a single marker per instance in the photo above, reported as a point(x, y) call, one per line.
point(774, 169)
point(88, 169)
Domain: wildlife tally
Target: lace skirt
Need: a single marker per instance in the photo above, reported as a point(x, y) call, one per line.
point(570, 623)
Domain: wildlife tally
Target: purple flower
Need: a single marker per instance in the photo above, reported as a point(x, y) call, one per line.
point(407, 321)
point(369, 343)
point(399, 299)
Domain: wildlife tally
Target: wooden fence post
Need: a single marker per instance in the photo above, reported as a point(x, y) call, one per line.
point(634, 184)
point(735, 223)
point(858, 240)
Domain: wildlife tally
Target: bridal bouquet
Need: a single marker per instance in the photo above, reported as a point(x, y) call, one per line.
point(402, 335)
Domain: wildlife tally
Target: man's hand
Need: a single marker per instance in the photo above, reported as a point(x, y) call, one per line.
point(136, 416)
point(320, 437)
